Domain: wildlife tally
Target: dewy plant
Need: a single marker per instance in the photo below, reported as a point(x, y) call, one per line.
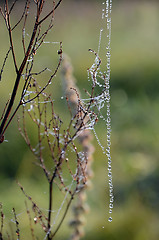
point(62, 151)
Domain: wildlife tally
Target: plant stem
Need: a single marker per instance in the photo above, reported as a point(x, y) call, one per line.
point(50, 208)
point(19, 73)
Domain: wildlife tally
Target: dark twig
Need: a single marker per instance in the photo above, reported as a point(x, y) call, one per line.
point(17, 225)
point(4, 62)
point(29, 52)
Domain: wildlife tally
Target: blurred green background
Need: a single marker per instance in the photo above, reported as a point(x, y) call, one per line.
point(135, 114)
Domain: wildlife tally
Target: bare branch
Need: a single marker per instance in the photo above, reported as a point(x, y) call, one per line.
point(29, 52)
point(57, 5)
point(10, 35)
point(3, 15)
point(23, 14)
point(12, 6)
point(4, 62)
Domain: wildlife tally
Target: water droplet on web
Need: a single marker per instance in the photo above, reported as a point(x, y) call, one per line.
point(110, 205)
point(110, 211)
point(110, 219)
point(109, 174)
point(104, 99)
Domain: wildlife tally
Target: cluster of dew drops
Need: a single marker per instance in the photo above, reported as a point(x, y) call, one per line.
point(106, 17)
point(104, 98)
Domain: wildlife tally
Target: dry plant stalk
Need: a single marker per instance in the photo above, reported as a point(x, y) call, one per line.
point(84, 138)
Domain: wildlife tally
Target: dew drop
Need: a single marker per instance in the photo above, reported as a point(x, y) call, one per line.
point(110, 205)
point(110, 219)
point(110, 211)
point(109, 174)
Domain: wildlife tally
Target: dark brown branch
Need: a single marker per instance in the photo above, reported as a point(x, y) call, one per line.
point(50, 207)
point(10, 35)
point(19, 72)
point(4, 62)
point(2, 14)
point(12, 6)
point(16, 223)
point(15, 111)
point(57, 5)
point(24, 12)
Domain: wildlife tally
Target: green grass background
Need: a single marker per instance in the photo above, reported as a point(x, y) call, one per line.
point(135, 114)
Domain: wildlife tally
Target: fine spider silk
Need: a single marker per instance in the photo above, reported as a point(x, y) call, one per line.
point(102, 101)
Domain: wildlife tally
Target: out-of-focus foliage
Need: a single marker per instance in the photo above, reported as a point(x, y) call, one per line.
point(135, 114)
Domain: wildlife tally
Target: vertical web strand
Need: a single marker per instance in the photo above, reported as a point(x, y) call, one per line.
point(102, 99)
point(108, 10)
point(106, 17)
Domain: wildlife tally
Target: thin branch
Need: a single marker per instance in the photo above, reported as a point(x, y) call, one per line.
point(57, 5)
point(15, 111)
point(12, 6)
point(2, 14)
point(10, 35)
point(17, 225)
point(52, 76)
point(24, 13)
point(19, 72)
point(50, 206)
point(4, 62)
point(23, 29)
